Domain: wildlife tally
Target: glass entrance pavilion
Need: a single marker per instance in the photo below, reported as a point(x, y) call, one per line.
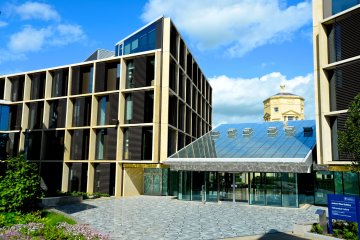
point(267, 163)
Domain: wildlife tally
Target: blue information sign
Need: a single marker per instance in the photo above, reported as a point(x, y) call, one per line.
point(343, 207)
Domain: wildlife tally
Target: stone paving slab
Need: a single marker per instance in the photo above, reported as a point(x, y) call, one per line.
point(151, 217)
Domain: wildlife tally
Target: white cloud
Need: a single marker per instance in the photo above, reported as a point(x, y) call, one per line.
point(241, 26)
point(6, 56)
point(3, 24)
point(241, 100)
point(67, 33)
point(37, 10)
point(30, 39)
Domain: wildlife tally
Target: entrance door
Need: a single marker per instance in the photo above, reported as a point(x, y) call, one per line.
point(198, 185)
point(241, 187)
point(234, 187)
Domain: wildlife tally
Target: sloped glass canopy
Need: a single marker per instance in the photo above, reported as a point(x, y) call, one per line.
point(269, 145)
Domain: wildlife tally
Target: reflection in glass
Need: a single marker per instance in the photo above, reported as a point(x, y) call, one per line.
point(289, 190)
point(130, 74)
point(351, 183)
point(324, 185)
point(273, 189)
point(257, 188)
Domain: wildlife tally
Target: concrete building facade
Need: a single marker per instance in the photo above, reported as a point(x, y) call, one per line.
point(284, 106)
point(337, 54)
point(106, 124)
point(336, 32)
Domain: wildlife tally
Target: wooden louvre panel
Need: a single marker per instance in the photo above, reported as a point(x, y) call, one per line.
point(113, 109)
point(135, 142)
point(344, 37)
point(140, 72)
point(57, 113)
point(344, 85)
point(78, 177)
point(53, 145)
point(110, 144)
point(100, 77)
point(75, 82)
point(37, 85)
point(80, 145)
point(35, 115)
point(104, 178)
point(17, 88)
point(138, 107)
point(34, 146)
point(111, 77)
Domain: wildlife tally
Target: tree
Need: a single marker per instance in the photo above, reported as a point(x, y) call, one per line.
point(349, 139)
point(20, 186)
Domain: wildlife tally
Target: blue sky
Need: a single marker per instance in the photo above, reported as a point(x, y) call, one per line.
point(246, 48)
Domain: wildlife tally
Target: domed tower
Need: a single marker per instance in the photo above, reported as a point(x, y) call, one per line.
point(284, 106)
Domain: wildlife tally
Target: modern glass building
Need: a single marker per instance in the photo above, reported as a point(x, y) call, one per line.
point(269, 163)
point(336, 77)
point(106, 124)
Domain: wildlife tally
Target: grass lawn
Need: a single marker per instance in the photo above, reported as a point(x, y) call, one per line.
point(52, 218)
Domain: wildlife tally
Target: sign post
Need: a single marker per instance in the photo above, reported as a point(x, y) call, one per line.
point(343, 207)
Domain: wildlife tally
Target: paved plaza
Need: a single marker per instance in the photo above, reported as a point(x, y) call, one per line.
point(151, 217)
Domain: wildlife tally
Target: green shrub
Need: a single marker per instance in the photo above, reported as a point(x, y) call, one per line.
point(9, 219)
point(316, 228)
point(20, 186)
point(346, 230)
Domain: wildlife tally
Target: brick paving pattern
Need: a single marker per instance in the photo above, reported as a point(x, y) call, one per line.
point(151, 217)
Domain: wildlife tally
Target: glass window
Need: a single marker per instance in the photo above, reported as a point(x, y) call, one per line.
point(79, 145)
point(341, 5)
point(35, 115)
point(148, 38)
point(59, 82)
point(4, 117)
point(107, 76)
point(81, 112)
point(82, 80)
point(290, 118)
point(134, 44)
point(53, 145)
point(351, 183)
point(104, 178)
point(289, 190)
point(138, 143)
point(102, 111)
point(2, 87)
point(78, 177)
point(17, 88)
point(338, 183)
point(57, 113)
point(273, 189)
point(276, 109)
point(37, 85)
point(106, 144)
point(127, 48)
point(257, 188)
point(324, 185)
point(33, 140)
point(185, 186)
point(129, 109)
point(130, 74)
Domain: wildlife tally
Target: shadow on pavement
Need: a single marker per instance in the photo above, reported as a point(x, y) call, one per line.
point(74, 208)
point(280, 236)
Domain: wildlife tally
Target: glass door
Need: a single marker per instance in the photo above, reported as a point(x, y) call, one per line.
point(241, 187)
point(198, 185)
point(226, 187)
point(234, 187)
